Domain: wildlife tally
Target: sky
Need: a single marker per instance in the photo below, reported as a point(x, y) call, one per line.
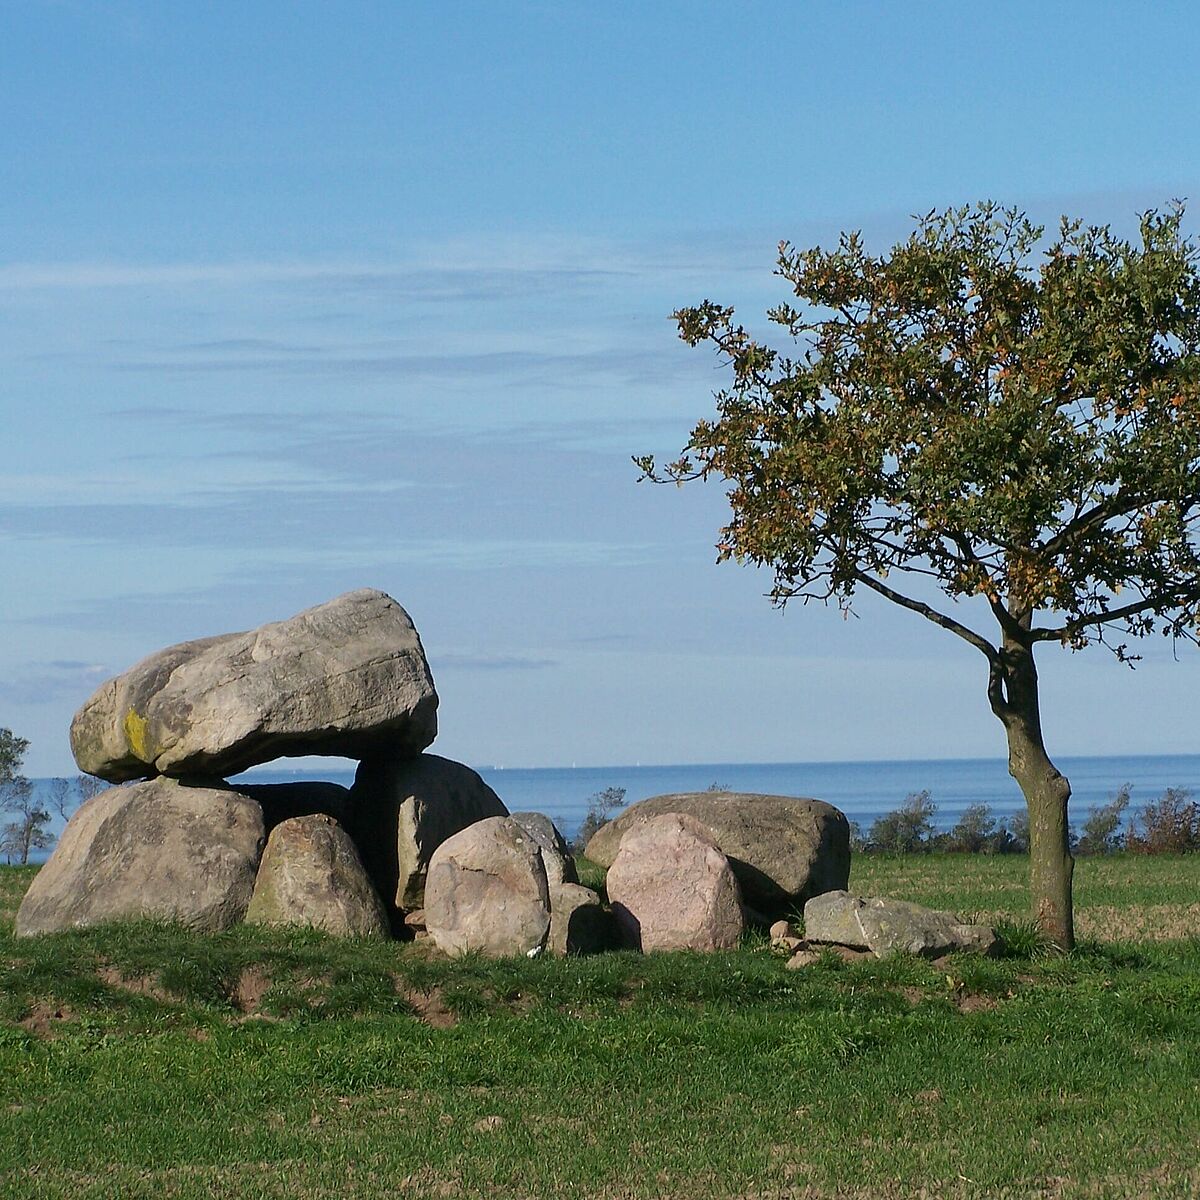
point(297, 298)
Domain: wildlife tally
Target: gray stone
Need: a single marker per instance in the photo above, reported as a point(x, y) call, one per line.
point(556, 854)
point(156, 849)
point(886, 927)
point(487, 892)
point(783, 849)
point(579, 922)
point(403, 809)
point(671, 888)
point(344, 678)
point(311, 874)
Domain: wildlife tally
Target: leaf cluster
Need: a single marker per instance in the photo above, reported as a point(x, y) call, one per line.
point(1007, 415)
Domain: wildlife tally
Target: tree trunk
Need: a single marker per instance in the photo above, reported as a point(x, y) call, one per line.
point(1046, 793)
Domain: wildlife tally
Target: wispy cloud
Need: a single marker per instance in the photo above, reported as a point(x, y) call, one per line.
point(490, 662)
point(51, 682)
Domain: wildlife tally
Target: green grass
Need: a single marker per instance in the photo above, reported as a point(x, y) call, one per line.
point(147, 1061)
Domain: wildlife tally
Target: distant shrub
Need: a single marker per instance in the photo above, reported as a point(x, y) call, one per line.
point(974, 832)
point(1102, 832)
point(1168, 825)
point(600, 810)
point(858, 840)
point(1018, 832)
point(907, 829)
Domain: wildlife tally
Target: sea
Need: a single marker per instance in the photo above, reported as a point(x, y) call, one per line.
point(862, 790)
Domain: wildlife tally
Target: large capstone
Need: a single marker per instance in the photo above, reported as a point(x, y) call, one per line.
point(311, 875)
point(156, 849)
point(783, 849)
point(344, 679)
point(487, 892)
point(402, 809)
point(671, 888)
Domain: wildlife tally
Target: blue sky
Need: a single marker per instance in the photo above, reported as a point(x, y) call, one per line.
point(297, 298)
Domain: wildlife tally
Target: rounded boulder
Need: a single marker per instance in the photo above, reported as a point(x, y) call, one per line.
point(671, 888)
point(311, 875)
point(487, 891)
point(783, 849)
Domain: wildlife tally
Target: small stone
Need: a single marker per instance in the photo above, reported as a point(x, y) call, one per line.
point(886, 926)
point(802, 958)
point(415, 919)
point(556, 855)
point(782, 929)
point(788, 945)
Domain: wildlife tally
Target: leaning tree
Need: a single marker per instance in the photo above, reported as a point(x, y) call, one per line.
point(984, 412)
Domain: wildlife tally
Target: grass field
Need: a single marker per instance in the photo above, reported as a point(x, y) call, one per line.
point(146, 1061)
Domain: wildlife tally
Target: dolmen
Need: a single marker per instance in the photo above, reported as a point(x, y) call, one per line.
point(419, 845)
point(177, 841)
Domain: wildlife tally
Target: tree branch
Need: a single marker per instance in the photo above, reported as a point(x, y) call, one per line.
point(930, 614)
point(1159, 600)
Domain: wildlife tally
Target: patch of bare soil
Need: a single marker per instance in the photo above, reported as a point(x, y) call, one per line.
point(45, 1016)
point(139, 985)
point(429, 1006)
point(972, 1002)
point(252, 985)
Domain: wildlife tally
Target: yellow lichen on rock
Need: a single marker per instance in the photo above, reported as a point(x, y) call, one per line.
point(135, 727)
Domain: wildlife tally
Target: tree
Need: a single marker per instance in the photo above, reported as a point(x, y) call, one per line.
point(1102, 828)
point(907, 829)
point(600, 809)
point(975, 832)
point(87, 786)
point(983, 425)
point(12, 755)
point(1168, 825)
point(28, 832)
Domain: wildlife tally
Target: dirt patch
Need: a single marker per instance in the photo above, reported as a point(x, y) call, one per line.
point(139, 985)
point(973, 1002)
point(252, 985)
point(429, 1006)
point(45, 1016)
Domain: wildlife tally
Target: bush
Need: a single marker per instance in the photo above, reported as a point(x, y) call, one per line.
point(1168, 825)
point(600, 810)
point(974, 833)
point(907, 829)
point(1102, 829)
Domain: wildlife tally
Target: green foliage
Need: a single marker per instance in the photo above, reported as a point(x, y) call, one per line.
point(28, 832)
point(1168, 825)
point(1017, 417)
point(974, 832)
point(1102, 832)
point(907, 829)
point(601, 808)
point(12, 755)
